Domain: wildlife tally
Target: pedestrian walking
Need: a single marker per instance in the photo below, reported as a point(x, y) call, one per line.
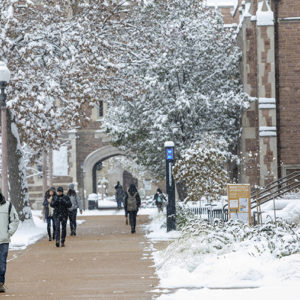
point(160, 200)
point(9, 222)
point(119, 194)
point(60, 203)
point(72, 211)
point(131, 205)
point(48, 212)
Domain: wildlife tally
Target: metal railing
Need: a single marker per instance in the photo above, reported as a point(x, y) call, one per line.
point(272, 191)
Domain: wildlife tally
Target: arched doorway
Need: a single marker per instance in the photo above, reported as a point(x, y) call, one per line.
point(92, 162)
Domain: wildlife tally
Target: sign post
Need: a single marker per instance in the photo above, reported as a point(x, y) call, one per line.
point(170, 185)
point(239, 202)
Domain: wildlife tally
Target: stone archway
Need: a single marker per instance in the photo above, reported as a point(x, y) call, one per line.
point(92, 160)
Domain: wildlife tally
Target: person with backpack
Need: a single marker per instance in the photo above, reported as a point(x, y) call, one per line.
point(160, 199)
point(48, 212)
point(9, 222)
point(119, 194)
point(72, 211)
point(60, 203)
point(132, 203)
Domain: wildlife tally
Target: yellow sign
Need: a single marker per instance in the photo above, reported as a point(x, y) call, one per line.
point(239, 202)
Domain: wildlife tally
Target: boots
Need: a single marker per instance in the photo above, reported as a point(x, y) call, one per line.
point(2, 288)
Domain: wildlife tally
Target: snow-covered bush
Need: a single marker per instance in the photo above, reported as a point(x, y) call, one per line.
point(202, 167)
point(280, 239)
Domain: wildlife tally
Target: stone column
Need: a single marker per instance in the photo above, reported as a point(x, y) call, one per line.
point(266, 93)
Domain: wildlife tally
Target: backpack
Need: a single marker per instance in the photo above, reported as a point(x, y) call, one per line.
point(131, 202)
point(159, 199)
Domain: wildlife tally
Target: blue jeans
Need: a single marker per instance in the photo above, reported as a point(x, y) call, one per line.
point(3, 259)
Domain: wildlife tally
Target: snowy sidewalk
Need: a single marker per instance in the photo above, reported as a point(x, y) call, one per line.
point(104, 261)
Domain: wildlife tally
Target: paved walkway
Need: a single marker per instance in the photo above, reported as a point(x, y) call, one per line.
point(104, 261)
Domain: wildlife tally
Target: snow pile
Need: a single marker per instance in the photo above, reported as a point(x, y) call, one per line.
point(227, 256)
point(29, 232)
point(288, 210)
point(157, 228)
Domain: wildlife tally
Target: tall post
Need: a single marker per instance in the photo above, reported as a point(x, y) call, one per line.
point(4, 141)
point(170, 186)
point(4, 79)
point(50, 167)
point(44, 172)
point(82, 186)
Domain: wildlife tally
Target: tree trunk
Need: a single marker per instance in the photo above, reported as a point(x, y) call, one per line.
point(50, 167)
point(181, 190)
point(17, 171)
point(44, 172)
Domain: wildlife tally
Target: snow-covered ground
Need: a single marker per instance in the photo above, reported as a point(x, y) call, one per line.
point(231, 262)
point(29, 232)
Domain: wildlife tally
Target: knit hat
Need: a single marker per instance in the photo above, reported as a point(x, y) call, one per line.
point(60, 189)
point(52, 189)
point(71, 186)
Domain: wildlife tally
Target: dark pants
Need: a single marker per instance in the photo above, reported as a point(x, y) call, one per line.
point(49, 220)
point(72, 217)
point(63, 222)
point(132, 219)
point(119, 202)
point(3, 259)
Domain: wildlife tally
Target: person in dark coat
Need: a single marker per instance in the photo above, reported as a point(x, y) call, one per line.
point(60, 203)
point(48, 211)
point(119, 194)
point(72, 212)
point(132, 202)
point(160, 199)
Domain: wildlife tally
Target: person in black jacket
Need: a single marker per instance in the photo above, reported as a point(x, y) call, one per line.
point(48, 211)
point(60, 203)
point(160, 200)
point(132, 202)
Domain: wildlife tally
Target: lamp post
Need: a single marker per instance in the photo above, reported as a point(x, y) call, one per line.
point(4, 79)
point(170, 185)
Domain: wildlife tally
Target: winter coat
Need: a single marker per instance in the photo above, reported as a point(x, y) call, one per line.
point(61, 204)
point(119, 193)
point(76, 202)
point(7, 230)
point(162, 196)
point(138, 202)
point(47, 208)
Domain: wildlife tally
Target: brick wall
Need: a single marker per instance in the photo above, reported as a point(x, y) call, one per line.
point(289, 76)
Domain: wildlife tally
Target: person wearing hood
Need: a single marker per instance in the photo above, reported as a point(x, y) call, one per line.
point(9, 222)
point(60, 203)
point(48, 212)
point(132, 202)
point(119, 194)
point(72, 211)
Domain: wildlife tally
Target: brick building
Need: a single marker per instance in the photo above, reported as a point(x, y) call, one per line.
point(268, 34)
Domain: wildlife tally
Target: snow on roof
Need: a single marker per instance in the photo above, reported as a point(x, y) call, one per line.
point(233, 4)
point(223, 3)
point(264, 14)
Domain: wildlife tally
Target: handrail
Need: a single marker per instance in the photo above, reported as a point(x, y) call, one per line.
point(257, 197)
point(279, 194)
point(279, 181)
point(267, 195)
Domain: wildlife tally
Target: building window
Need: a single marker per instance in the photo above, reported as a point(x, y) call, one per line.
point(101, 111)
